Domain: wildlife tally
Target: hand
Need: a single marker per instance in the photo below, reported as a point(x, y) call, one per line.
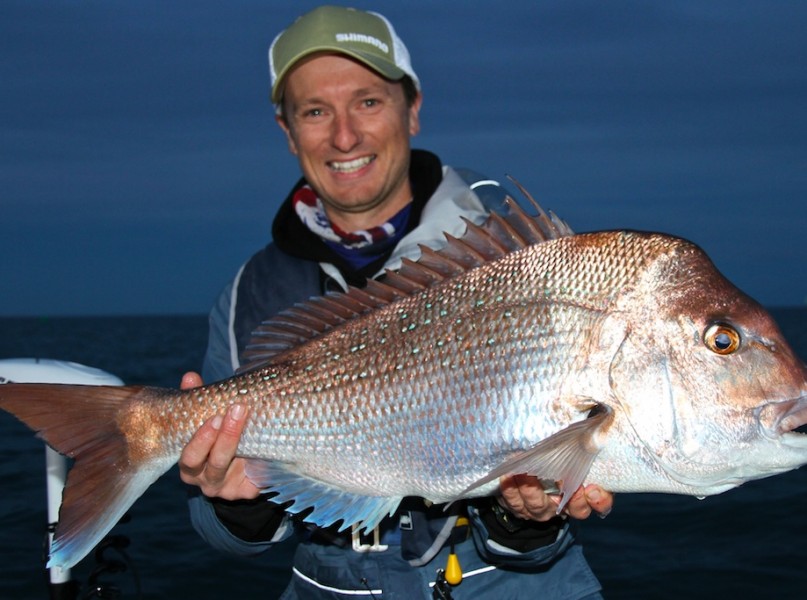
point(209, 461)
point(524, 496)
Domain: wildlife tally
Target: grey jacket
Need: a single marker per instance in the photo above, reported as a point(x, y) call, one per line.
point(239, 309)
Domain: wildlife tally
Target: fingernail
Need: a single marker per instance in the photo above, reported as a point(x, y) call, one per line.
point(604, 513)
point(237, 411)
point(594, 495)
point(216, 422)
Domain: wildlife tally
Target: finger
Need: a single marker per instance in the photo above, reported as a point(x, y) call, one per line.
point(246, 489)
point(539, 505)
point(578, 506)
point(524, 497)
point(601, 502)
point(226, 444)
point(194, 455)
point(190, 380)
point(509, 495)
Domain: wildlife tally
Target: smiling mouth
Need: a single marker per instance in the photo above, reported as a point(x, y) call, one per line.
point(350, 166)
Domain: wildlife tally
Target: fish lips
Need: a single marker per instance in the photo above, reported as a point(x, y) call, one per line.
point(785, 417)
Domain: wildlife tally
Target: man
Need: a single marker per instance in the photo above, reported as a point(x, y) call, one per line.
point(348, 102)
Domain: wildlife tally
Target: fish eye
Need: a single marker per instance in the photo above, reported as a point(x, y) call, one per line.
point(721, 338)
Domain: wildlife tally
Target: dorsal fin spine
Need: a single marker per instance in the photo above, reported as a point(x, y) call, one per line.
point(474, 257)
point(513, 235)
point(425, 271)
point(499, 236)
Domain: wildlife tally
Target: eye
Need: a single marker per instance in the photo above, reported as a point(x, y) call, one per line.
point(721, 339)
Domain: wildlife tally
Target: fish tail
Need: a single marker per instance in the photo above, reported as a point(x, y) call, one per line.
point(89, 424)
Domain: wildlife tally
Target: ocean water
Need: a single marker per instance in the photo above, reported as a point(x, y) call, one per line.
point(749, 542)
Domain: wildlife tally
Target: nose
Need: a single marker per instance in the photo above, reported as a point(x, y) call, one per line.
point(345, 134)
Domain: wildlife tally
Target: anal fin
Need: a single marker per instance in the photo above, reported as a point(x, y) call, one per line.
point(329, 503)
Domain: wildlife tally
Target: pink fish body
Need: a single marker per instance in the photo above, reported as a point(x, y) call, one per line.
point(621, 358)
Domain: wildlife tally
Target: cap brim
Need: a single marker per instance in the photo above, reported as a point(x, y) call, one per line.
point(383, 67)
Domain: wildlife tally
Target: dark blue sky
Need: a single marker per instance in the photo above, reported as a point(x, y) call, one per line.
point(140, 163)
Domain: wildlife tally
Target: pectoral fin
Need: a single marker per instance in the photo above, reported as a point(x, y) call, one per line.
point(563, 457)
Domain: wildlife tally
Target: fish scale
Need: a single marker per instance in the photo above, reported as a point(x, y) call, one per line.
point(622, 358)
point(411, 346)
point(414, 340)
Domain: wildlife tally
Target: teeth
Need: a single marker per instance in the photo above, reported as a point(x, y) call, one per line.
point(350, 165)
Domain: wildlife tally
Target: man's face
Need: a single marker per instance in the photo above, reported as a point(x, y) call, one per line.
point(350, 130)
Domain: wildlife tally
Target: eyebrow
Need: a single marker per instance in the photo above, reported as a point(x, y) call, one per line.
point(370, 90)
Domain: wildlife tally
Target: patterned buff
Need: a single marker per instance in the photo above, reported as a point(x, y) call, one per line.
point(359, 248)
point(311, 212)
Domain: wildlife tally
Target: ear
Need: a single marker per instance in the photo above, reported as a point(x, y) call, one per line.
point(284, 125)
point(414, 115)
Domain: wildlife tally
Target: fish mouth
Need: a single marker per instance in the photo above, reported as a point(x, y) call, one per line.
point(782, 418)
point(795, 420)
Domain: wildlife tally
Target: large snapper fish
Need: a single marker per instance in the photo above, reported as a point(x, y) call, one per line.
point(621, 358)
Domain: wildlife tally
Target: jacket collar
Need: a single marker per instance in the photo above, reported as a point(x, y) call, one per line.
point(294, 238)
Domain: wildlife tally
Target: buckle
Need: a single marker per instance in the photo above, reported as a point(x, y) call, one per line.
point(358, 546)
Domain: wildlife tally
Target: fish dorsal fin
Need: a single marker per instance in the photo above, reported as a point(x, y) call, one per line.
point(498, 236)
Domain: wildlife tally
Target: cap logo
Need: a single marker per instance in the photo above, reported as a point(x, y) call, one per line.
point(363, 39)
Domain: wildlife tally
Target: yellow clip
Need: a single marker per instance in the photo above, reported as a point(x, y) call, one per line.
point(453, 572)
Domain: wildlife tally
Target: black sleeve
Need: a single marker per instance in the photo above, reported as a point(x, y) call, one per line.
point(254, 520)
point(522, 535)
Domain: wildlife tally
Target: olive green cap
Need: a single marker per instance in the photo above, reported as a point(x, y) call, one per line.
point(366, 36)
